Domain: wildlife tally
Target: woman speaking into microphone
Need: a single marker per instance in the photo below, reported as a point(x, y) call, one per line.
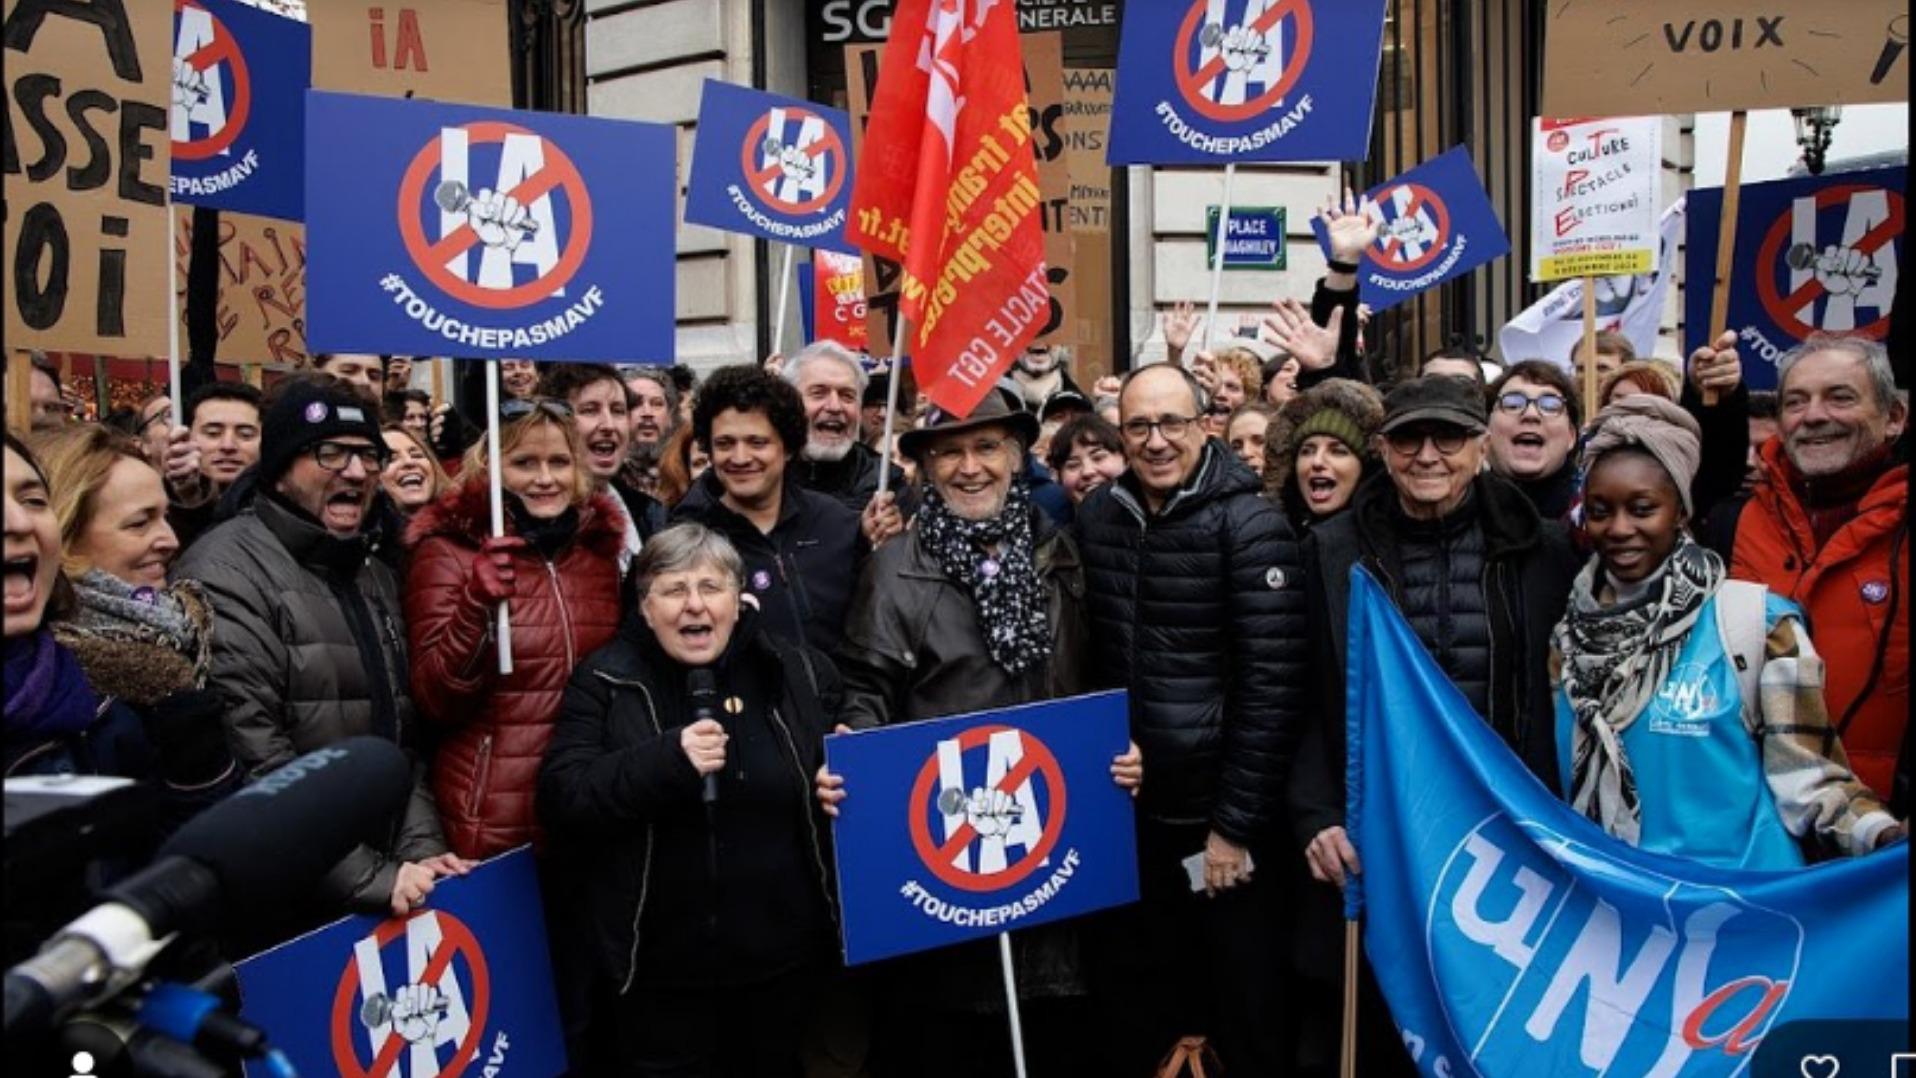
point(677, 798)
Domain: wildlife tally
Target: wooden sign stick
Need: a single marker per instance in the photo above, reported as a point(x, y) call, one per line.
point(1726, 236)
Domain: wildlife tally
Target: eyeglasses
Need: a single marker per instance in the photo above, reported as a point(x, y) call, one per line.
point(337, 456)
point(1448, 440)
point(1173, 427)
point(677, 594)
point(164, 415)
point(521, 407)
point(983, 449)
point(1549, 405)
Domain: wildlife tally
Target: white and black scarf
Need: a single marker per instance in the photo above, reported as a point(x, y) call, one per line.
point(1614, 659)
point(1004, 586)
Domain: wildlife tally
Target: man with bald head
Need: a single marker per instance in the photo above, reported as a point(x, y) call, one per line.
point(1195, 602)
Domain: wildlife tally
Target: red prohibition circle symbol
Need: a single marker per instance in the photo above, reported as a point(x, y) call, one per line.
point(222, 50)
point(457, 941)
point(431, 257)
point(1787, 311)
point(829, 147)
point(1191, 83)
point(1389, 252)
point(937, 856)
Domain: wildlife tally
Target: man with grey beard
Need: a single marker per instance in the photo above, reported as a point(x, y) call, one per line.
point(831, 383)
point(1042, 372)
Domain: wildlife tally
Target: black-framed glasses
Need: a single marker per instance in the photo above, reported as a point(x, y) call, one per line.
point(1173, 427)
point(1448, 440)
point(521, 407)
point(1549, 405)
point(338, 456)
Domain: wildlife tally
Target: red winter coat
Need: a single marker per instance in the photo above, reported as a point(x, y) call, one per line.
point(1850, 589)
point(497, 726)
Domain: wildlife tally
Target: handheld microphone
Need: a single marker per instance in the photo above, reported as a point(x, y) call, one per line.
point(263, 846)
point(453, 197)
point(1803, 256)
point(701, 686)
point(1895, 41)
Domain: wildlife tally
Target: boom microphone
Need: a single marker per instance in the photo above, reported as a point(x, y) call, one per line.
point(263, 846)
point(701, 686)
point(1803, 256)
point(453, 197)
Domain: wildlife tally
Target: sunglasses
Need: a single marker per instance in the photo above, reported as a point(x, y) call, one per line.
point(1448, 440)
point(521, 407)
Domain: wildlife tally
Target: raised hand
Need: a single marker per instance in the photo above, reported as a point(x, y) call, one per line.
point(1353, 226)
point(1289, 326)
point(1180, 323)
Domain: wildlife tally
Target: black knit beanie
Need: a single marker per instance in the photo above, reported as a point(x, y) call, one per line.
point(307, 410)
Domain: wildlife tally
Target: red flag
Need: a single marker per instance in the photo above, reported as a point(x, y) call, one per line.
point(948, 187)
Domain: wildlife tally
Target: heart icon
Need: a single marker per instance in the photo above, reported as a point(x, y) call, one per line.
point(1820, 1066)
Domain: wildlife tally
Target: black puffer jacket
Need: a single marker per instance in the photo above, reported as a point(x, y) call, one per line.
point(851, 480)
point(801, 575)
point(1199, 611)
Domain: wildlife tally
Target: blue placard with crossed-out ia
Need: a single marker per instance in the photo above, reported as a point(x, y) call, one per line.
point(956, 829)
point(771, 166)
point(1436, 224)
point(238, 113)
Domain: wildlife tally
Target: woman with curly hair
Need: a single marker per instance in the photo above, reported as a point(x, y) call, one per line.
point(1318, 449)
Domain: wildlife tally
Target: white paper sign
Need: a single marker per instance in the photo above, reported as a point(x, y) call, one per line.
point(1594, 197)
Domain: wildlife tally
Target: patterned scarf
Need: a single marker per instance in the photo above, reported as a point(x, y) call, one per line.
point(1614, 659)
point(1005, 587)
point(139, 643)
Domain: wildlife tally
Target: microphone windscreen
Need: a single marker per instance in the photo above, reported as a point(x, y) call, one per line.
point(274, 839)
point(451, 196)
point(1800, 256)
point(701, 683)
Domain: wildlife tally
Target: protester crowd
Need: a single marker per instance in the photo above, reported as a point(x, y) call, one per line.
point(196, 600)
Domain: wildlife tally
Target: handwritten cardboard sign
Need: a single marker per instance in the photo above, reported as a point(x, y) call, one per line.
point(441, 50)
point(261, 312)
point(1631, 57)
point(86, 164)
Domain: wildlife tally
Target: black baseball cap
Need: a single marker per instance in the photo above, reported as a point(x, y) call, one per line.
point(1458, 402)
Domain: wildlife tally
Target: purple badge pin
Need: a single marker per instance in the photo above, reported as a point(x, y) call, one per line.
point(761, 580)
point(316, 412)
point(1875, 591)
point(988, 568)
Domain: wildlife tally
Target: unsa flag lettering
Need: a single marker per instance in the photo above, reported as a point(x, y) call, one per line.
point(948, 188)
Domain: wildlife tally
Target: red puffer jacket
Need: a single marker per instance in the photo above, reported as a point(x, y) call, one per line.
point(497, 725)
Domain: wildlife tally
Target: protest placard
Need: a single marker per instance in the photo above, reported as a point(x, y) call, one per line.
point(1593, 197)
point(1628, 304)
point(239, 108)
point(962, 828)
point(1630, 57)
point(770, 166)
point(838, 300)
point(1216, 81)
point(440, 50)
point(1087, 126)
point(456, 230)
point(1437, 224)
point(1044, 87)
point(1254, 240)
point(86, 172)
point(261, 311)
point(462, 986)
point(1816, 254)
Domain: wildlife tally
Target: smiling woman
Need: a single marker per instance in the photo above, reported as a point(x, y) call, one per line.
point(413, 478)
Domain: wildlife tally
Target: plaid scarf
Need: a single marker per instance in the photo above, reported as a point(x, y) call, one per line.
point(1005, 587)
point(1614, 659)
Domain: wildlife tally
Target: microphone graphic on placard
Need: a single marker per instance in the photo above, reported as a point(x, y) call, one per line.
point(1803, 256)
point(453, 197)
point(1892, 48)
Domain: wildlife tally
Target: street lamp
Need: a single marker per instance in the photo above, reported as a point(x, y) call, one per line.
point(1813, 129)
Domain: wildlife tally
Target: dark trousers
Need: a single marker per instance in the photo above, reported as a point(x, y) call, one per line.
point(732, 1031)
point(1179, 963)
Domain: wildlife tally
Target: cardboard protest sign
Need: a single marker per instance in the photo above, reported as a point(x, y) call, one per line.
point(1633, 57)
point(1438, 224)
point(1593, 197)
point(1816, 254)
point(1087, 112)
point(455, 230)
point(962, 828)
point(440, 50)
point(770, 166)
point(87, 154)
point(261, 311)
point(1044, 89)
point(837, 310)
point(1626, 304)
point(1204, 82)
point(239, 107)
point(463, 986)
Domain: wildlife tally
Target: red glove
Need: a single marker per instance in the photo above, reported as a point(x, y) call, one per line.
point(492, 573)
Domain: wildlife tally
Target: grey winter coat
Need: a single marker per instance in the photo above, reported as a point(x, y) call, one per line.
point(309, 648)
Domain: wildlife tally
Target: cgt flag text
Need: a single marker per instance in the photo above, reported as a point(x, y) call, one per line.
point(948, 188)
point(1511, 937)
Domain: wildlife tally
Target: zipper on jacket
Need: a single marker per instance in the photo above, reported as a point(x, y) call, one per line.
point(481, 771)
point(645, 867)
point(565, 615)
point(811, 824)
